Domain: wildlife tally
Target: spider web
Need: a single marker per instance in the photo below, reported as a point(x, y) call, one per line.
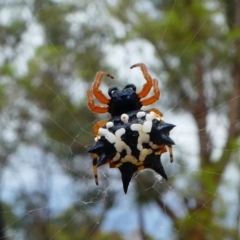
point(37, 176)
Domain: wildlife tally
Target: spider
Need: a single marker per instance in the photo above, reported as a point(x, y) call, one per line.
point(120, 103)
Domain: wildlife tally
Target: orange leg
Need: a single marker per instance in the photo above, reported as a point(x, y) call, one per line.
point(159, 113)
point(97, 125)
point(98, 93)
point(163, 149)
point(147, 86)
point(92, 106)
point(155, 97)
point(95, 157)
point(170, 153)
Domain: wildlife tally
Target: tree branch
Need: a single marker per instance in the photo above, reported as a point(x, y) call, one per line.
point(166, 209)
point(200, 111)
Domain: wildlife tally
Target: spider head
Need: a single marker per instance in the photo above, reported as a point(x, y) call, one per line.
point(124, 100)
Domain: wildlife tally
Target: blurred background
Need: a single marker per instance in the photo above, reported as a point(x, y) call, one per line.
point(50, 52)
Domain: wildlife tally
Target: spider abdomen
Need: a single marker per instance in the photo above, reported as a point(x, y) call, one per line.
point(121, 106)
point(133, 141)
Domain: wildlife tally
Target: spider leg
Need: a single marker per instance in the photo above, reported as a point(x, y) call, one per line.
point(97, 125)
point(92, 106)
point(163, 149)
point(155, 110)
point(170, 153)
point(95, 157)
point(155, 97)
point(148, 85)
point(98, 93)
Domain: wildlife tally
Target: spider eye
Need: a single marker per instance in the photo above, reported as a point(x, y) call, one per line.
point(112, 90)
point(132, 86)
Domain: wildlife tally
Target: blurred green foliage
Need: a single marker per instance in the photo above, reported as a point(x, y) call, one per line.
point(193, 42)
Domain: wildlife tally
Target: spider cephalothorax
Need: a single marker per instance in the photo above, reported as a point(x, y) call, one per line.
point(125, 100)
point(132, 139)
point(122, 101)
